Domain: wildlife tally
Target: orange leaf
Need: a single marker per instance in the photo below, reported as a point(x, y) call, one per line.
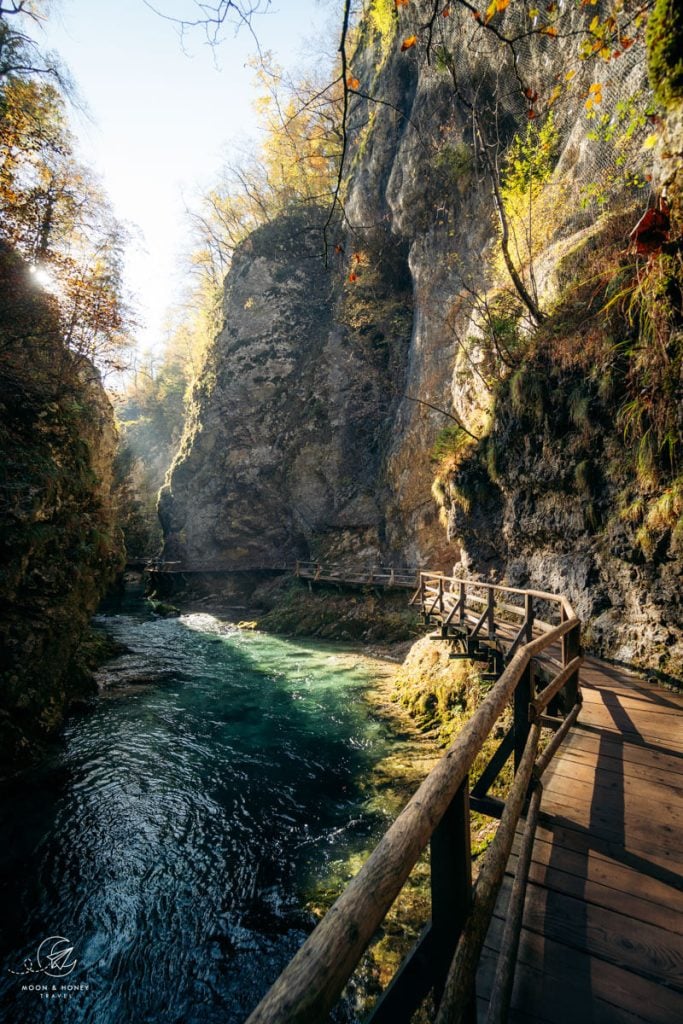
point(531, 113)
point(353, 276)
point(446, 12)
point(549, 30)
point(401, 3)
point(501, 4)
point(352, 82)
point(626, 42)
point(408, 43)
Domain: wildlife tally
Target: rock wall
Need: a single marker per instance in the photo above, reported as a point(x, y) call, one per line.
point(316, 421)
point(284, 454)
point(59, 543)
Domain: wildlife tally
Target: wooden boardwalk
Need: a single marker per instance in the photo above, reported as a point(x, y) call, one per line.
point(602, 936)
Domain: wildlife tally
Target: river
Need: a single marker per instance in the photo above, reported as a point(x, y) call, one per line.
point(176, 828)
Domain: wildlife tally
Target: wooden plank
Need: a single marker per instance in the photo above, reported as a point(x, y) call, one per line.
point(605, 677)
point(571, 987)
point(631, 799)
point(612, 937)
point(660, 730)
point(665, 913)
point(575, 762)
point(613, 747)
point(651, 861)
point(603, 821)
point(592, 865)
point(632, 701)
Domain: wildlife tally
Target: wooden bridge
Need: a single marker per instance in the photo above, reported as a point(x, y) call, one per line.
point(383, 577)
point(575, 914)
point(379, 576)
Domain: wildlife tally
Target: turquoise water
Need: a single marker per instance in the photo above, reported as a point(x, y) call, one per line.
point(173, 833)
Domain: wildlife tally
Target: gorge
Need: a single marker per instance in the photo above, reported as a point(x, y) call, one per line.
point(433, 321)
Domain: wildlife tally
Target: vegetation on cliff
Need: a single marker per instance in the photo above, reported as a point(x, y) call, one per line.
point(62, 311)
point(60, 546)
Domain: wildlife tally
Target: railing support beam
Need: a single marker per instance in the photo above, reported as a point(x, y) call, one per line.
point(451, 883)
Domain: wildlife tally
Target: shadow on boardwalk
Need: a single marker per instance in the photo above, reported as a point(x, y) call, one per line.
point(602, 941)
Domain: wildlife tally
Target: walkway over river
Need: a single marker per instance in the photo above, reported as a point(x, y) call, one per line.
point(601, 939)
point(575, 914)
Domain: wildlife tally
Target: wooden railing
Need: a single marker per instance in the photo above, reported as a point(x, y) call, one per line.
point(379, 576)
point(445, 957)
point(212, 568)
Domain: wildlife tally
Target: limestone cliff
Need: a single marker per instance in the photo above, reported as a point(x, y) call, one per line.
point(317, 428)
point(59, 545)
point(285, 453)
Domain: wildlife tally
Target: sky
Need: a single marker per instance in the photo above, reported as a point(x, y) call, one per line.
point(163, 116)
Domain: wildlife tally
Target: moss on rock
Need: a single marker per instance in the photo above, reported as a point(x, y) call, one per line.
point(665, 51)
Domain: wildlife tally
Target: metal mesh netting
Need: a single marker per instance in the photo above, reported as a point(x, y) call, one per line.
point(522, 67)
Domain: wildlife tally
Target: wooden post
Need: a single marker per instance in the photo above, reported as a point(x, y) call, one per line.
point(571, 648)
point(451, 884)
point(463, 598)
point(522, 699)
point(529, 617)
point(441, 596)
point(491, 617)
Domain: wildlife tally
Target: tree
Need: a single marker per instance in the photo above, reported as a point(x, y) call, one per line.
point(53, 210)
point(213, 18)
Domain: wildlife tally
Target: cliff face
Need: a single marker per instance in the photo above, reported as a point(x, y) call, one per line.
point(285, 452)
point(317, 428)
point(59, 545)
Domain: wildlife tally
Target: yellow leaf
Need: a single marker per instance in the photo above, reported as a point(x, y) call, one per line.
point(650, 141)
point(596, 87)
point(589, 104)
point(490, 11)
point(554, 95)
point(594, 24)
point(408, 43)
point(570, 74)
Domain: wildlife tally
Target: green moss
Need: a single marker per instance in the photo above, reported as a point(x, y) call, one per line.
point(527, 393)
point(664, 38)
point(454, 163)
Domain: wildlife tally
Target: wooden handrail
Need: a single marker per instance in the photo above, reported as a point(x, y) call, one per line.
point(314, 979)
